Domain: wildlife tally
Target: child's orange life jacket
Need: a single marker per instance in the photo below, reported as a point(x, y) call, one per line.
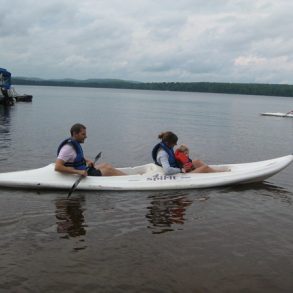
point(184, 160)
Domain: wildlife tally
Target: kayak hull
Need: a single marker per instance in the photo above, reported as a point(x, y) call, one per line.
point(278, 115)
point(146, 177)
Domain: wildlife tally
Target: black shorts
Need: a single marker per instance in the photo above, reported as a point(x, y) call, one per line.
point(94, 172)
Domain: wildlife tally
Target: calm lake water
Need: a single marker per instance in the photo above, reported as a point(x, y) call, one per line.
point(230, 239)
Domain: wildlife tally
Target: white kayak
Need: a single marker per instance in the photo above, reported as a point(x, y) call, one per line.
point(278, 115)
point(146, 177)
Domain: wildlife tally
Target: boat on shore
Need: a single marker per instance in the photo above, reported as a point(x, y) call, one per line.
point(8, 94)
point(147, 177)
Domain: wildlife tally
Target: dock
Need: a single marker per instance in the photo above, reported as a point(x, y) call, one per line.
point(8, 95)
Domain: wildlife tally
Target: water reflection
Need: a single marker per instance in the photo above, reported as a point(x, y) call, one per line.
point(5, 140)
point(4, 119)
point(69, 214)
point(263, 188)
point(166, 211)
point(4, 112)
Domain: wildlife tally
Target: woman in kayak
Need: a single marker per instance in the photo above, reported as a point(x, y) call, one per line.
point(163, 155)
point(70, 158)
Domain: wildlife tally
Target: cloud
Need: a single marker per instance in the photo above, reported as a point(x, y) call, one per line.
point(147, 40)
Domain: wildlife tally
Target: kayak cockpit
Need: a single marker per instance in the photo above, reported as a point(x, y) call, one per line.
point(147, 169)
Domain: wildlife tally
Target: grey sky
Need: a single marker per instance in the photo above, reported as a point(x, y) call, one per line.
point(149, 40)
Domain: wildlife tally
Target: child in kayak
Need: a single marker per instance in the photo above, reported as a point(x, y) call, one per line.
point(188, 165)
point(182, 156)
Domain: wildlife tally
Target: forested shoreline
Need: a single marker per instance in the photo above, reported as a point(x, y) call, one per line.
point(285, 90)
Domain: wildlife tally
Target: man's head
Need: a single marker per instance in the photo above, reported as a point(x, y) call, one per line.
point(78, 132)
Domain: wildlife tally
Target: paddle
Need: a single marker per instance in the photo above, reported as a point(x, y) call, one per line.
point(81, 177)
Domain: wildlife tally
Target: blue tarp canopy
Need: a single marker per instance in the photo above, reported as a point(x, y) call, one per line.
point(5, 79)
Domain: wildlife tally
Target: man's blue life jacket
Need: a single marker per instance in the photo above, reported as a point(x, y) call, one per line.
point(79, 162)
point(171, 156)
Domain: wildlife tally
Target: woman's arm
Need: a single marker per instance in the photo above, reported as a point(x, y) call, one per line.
point(162, 158)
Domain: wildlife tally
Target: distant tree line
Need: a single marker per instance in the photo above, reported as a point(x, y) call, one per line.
point(204, 87)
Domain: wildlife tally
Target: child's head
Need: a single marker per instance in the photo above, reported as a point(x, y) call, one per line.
point(183, 149)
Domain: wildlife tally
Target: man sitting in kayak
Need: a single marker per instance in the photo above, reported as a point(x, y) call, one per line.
point(70, 158)
point(163, 155)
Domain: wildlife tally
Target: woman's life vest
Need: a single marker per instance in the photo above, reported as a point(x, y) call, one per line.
point(171, 156)
point(79, 162)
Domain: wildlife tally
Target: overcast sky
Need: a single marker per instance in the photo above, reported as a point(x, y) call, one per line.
point(149, 40)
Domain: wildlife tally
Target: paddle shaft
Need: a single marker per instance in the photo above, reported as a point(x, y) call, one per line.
point(81, 177)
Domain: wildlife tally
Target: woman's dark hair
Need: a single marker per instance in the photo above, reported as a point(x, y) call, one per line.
point(168, 137)
point(76, 128)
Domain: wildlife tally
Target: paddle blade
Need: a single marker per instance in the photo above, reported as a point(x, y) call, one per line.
point(81, 177)
point(97, 157)
point(74, 186)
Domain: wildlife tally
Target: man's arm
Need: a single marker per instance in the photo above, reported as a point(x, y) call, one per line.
point(89, 163)
point(67, 154)
point(59, 166)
